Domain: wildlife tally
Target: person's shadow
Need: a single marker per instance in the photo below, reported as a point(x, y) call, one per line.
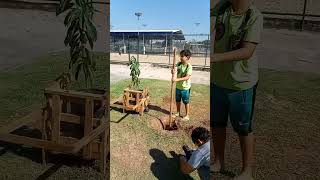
point(166, 168)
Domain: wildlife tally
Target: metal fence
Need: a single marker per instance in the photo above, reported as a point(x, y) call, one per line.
point(301, 10)
point(160, 51)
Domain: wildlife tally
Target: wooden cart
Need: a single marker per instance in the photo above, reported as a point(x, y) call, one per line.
point(75, 108)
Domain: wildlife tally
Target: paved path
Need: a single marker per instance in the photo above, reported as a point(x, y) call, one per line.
point(120, 72)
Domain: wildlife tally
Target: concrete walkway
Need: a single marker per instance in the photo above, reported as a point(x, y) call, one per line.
point(120, 72)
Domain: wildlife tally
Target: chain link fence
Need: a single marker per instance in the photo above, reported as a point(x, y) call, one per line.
point(160, 51)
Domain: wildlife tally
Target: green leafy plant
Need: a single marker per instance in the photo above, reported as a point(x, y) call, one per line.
point(81, 35)
point(135, 72)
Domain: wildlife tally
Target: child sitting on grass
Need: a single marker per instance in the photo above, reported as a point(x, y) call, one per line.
point(200, 158)
point(183, 80)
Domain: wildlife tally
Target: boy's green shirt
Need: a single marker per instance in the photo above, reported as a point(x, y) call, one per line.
point(242, 74)
point(182, 71)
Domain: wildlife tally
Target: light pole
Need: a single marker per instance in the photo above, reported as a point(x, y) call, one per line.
point(143, 40)
point(197, 25)
point(138, 14)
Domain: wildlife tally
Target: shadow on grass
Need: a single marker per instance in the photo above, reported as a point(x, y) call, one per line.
point(159, 109)
point(164, 167)
point(122, 118)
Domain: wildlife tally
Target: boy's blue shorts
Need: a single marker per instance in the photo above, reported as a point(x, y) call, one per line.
point(184, 95)
point(238, 105)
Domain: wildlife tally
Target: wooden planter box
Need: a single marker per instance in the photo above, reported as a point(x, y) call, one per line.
point(73, 115)
point(72, 122)
point(136, 100)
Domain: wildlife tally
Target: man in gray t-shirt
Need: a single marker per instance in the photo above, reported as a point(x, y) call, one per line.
point(200, 158)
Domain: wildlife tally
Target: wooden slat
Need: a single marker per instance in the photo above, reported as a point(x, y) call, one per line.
point(36, 143)
point(56, 110)
point(70, 118)
point(104, 152)
point(88, 124)
point(72, 93)
point(132, 91)
point(43, 123)
point(72, 140)
point(75, 119)
point(89, 137)
point(76, 100)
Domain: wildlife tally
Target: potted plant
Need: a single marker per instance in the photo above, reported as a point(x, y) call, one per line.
point(134, 97)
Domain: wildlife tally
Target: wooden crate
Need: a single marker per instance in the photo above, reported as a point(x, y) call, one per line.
point(86, 110)
point(134, 100)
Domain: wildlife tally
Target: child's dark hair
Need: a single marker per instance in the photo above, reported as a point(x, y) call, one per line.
point(185, 52)
point(201, 134)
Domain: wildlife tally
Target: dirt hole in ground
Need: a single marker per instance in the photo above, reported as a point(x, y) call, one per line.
point(162, 123)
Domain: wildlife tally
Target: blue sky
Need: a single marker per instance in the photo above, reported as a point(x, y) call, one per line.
point(162, 14)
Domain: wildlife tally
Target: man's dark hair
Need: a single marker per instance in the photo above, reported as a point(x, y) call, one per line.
point(185, 52)
point(201, 134)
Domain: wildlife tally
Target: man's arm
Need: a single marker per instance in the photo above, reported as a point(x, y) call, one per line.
point(185, 167)
point(245, 52)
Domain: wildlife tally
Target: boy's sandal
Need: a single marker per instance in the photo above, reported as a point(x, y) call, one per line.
point(186, 118)
point(176, 114)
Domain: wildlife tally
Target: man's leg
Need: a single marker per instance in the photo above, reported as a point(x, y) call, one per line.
point(219, 142)
point(219, 118)
point(247, 143)
point(242, 107)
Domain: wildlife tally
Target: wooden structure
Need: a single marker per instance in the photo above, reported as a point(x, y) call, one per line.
point(173, 88)
point(133, 100)
point(84, 110)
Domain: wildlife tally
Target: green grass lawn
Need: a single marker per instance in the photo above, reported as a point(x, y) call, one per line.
point(287, 127)
point(139, 151)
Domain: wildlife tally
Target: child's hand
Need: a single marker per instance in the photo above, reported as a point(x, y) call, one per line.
point(174, 70)
point(174, 79)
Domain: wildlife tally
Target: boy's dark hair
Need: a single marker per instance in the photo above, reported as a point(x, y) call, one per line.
point(185, 52)
point(201, 134)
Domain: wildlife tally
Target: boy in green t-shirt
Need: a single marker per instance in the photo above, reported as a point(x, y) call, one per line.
point(183, 80)
point(234, 78)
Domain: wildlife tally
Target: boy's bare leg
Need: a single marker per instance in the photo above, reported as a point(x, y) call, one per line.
point(219, 142)
point(187, 106)
point(178, 104)
point(247, 147)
